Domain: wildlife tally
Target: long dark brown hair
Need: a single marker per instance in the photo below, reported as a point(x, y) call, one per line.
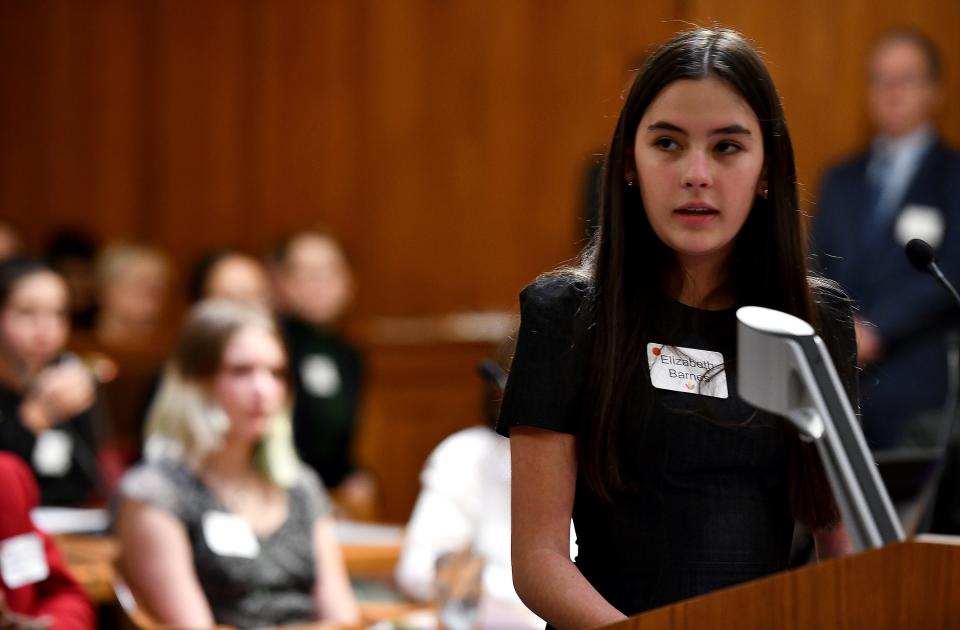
point(628, 266)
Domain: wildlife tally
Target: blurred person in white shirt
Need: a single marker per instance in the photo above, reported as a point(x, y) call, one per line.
point(462, 518)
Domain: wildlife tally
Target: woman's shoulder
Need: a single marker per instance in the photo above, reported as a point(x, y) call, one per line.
point(20, 486)
point(309, 490)
point(557, 307)
point(555, 298)
point(306, 479)
point(163, 484)
point(557, 287)
point(149, 473)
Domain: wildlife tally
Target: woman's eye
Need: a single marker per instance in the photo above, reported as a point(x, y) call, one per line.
point(728, 147)
point(667, 144)
point(239, 370)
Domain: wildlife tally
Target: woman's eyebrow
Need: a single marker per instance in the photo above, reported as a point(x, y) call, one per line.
point(663, 125)
point(731, 129)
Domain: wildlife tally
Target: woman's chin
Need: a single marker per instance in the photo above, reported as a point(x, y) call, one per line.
point(252, 429)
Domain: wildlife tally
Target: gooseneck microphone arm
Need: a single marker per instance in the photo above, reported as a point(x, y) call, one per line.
point(921, 256)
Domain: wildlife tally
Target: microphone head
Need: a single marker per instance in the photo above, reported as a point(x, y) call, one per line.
point(920, 254)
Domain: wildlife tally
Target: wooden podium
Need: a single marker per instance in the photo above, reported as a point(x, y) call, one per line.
point(910, 585)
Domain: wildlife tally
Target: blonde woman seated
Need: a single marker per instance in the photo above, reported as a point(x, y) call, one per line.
point(223, 525)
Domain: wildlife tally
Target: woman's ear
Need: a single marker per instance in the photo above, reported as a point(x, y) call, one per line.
point(629, 166)
point(763, 187)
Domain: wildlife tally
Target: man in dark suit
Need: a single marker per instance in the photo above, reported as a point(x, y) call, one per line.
point(907, 185)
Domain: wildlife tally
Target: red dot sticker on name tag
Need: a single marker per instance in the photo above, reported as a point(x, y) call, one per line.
point(687, 370)
point(23, 561)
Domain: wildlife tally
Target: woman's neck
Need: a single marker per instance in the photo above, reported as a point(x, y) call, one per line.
point(702, 282)
point(233, 460)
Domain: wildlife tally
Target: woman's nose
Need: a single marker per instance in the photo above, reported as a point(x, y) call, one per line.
point(697, 171)
point(263, 382)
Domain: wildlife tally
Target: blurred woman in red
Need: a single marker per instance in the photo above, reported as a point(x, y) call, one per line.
point(36, 591)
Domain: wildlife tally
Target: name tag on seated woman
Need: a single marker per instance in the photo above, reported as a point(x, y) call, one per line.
point(229, 535)
point(53, 453)
point(23, 560)
point(687, 370)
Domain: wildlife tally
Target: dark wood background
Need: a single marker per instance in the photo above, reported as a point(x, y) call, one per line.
point(445, 141)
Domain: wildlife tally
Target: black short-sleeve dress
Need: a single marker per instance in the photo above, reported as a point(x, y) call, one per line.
point(272, 588)
point(708, 504)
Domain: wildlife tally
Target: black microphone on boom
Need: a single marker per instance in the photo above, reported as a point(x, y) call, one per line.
point(921, 256)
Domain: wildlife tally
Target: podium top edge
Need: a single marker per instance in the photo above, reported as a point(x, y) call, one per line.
point(936, 539)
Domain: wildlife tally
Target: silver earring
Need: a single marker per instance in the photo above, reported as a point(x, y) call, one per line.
point(629, 182)
point(765, 192)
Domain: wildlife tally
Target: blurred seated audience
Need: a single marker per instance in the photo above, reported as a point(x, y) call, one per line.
point(132, 336)
point(36, 590)
point(460, 527)
point(223, 524)
point(314, 286)
point(134, 282)
point(46, 395)
point(221, 273)
point(73, 254)
point(232, 275)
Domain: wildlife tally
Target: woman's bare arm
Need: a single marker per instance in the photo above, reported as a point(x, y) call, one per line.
point(332, 593)
point(157, 564)
point(544, 473)
point(833, 542)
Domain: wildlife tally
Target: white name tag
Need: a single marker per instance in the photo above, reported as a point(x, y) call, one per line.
point(52, 453)
point(687, 370)
point(320, 376)
point(916, 221)
point(229, 535)
point(22, 560)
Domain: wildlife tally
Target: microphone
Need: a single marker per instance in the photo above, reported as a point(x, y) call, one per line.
point(921, 256)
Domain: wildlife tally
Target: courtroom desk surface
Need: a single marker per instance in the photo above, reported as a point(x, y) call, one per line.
point(370, 552)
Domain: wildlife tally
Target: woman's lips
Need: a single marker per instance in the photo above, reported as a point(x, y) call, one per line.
point(695, 215)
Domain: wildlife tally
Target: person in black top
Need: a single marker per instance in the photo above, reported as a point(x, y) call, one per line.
point(621, 403)
point(230, 274)
point(46, 396)
point(314, 288)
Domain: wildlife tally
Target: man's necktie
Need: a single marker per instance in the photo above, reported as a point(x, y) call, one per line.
point(878, 215)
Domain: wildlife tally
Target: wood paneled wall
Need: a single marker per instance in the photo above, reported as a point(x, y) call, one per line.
point(444, 140)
